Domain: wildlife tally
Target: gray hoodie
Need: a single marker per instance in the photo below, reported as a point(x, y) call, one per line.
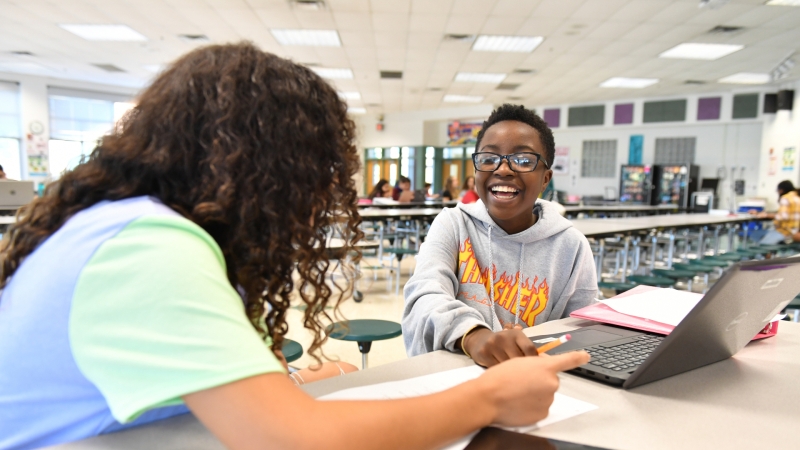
point(449, 291)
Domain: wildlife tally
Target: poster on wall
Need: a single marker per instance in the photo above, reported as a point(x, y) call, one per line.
point(37, 153)
point(463, 133)
point(635, 149)
point(561, 161)
point(773, 163)
point(789, 158)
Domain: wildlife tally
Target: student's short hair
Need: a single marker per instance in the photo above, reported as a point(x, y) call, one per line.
point(403, 179)
point(1, 169)
point(521, 114)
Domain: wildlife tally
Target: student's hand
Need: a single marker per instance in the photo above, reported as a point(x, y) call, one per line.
point(488, 348)
point(523, 388)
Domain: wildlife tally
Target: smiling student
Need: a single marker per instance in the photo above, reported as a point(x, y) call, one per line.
point(506, 262)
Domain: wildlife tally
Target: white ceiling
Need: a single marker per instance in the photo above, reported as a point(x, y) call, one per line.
point(586, 42)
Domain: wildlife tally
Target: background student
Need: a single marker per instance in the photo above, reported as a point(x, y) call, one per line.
point(488, 269)
point(451, 191)
point(382, 189)
point(786, 220)
point(120, 305)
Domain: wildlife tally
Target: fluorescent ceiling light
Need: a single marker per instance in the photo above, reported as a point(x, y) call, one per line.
point(747, 78)
point(357, 110)
point(350, 95)
point(783, 3)
point(493, 78)
point(316, 38)
point(333, 74)
point(700, 51)
point(463, 99)
point(94, 32)
point(628, 83)
point(520, 44)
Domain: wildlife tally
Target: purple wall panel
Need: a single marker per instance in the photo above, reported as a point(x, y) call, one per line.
point(709, 108)
point(552, 117)
point(623, 113)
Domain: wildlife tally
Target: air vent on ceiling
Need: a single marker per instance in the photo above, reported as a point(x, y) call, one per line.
point(459, 37)
point(108, 67)
point(310, 64)
point(694, 82)
point(515, 98)
point(22, 53)
point(724, 29)
point(524, 71)
point(308, 5)
point(507, 86)
point(390, 74)
point(433, 89)
point(194, 38)
point(373, 104)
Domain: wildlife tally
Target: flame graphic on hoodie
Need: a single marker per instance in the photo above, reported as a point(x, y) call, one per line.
point(533, 299)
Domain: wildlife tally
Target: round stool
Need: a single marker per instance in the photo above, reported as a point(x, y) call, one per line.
point(617, 286)
point(652, 281)
point(292, 350)
point(732, 256)
point(677, 274)
point(364, 332)
point(709, 261)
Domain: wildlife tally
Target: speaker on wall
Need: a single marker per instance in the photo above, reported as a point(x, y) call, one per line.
point(785, 99)
point(770, 103)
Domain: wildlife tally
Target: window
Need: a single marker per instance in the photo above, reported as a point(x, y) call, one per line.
point(77, 120)
point(665, 111)
point(579, 116)
point(599, 159)
point(745, 106)
point(675, 151)
point(10, 130)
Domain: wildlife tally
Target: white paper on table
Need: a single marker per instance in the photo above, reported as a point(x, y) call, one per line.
point(667, 306)
point(563, 407)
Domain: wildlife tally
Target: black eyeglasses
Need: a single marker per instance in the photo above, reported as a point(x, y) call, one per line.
point(519, 162)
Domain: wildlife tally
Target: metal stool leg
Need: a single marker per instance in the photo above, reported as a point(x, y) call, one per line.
point(364, 347)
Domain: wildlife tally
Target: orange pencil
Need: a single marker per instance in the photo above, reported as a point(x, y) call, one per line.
point(553, 344)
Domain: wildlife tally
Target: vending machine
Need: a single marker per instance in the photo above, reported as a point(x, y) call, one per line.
point(674, 184)
point(635, 184)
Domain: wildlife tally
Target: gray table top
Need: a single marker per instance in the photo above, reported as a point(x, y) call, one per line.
point(425, 204)
point(621, 207)
point(401, 214)
point(605, 227)
point(748, 401)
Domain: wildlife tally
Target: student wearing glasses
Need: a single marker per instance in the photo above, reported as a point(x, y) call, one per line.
point(138, 285)
point(506, 262)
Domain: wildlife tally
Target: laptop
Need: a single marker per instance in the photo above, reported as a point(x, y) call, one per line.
point(741, 303)
point(14, 194)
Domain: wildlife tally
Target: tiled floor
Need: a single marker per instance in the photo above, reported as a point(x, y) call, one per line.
point(379, 303)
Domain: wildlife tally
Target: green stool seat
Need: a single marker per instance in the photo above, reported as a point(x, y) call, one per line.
point(364, 332)
point(617, 286)
point(769, 248)
point(709, 261)
point(292, 350)
point(400, 251)
point(729, 256)
point(652, 281)
point(697, 268)
point(675, 273)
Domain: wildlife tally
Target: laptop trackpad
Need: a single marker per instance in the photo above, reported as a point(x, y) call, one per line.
point(581, 339)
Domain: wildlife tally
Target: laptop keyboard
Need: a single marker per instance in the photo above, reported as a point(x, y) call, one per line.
point(624, 357)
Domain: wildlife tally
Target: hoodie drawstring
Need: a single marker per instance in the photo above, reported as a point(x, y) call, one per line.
point(491, 279)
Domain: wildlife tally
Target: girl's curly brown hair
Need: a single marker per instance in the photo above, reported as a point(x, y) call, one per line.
point(256, 150)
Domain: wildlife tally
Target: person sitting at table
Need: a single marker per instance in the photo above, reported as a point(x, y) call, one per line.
point(786, 220)
point(469, 195)
point(451, 191)
point(508, 261)
point(403, 192)
point(147, 278)
point(382, 189)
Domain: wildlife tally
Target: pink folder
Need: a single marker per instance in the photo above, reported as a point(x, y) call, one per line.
point(604, 314)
